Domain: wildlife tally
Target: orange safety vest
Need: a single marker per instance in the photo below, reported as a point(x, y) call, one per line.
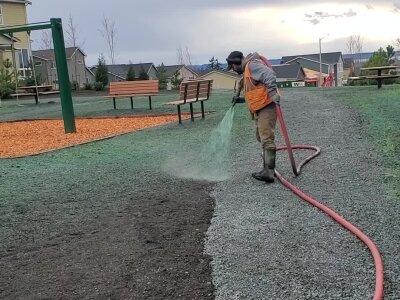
point(256, 95)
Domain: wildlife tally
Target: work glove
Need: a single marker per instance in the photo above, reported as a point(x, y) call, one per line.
point(237, 99)
point(276, 98)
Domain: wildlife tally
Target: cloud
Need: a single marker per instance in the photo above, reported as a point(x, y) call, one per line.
point(320, 15)
point(369, 6)
point(350, 13)
point(313, 21)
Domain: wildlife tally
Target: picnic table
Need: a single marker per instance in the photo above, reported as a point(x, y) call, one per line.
point(35, 90)
point(380, 76)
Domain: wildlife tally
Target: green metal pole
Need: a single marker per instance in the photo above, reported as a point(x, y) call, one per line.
point(63, 78)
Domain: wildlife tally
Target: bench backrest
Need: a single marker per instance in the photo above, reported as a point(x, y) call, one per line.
point(141, 87)
point(195, 89)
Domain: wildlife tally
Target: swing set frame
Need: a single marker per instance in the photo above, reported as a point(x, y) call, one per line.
point(55, 25)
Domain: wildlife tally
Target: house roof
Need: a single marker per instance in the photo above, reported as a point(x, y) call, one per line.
point(348, 62)
point(288, 71)
point(170, 70)
point(6, 39)
point(330, 57)
point(362, 55)
point(17, 1)
point(122, 70)
point(49, 53)
point(222, 72)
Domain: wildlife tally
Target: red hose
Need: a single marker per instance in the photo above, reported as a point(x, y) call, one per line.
point(378, 295)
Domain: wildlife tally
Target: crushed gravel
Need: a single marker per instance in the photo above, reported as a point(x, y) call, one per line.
point(265, 243)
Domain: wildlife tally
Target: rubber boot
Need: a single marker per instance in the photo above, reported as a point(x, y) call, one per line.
point(267, 173)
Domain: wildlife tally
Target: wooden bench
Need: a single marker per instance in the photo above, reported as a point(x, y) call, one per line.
point(25, 94)
point(190, 92)
point(130, 89)
point(49, 93)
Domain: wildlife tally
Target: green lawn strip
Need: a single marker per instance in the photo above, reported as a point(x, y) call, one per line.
point(380, 110)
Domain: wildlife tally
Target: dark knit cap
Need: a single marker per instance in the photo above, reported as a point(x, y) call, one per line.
point(234, 58)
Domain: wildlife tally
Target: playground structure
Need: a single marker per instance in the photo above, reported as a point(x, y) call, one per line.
point(55, 25)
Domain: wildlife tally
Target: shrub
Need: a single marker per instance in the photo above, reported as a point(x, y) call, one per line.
point(6, 89)
point(75, 85)
point(88, 86)
point(98, 86)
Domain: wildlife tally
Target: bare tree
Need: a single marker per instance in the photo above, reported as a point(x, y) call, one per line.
point(71, 32)
point(358, 43)
point(188, 56)
point(46, 40)
point(109, 33)
point(350, 45)
point(183, 56)
point(179, 56)
point(397, 43)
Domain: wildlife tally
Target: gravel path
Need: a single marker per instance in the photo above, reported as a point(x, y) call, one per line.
point(266, 243)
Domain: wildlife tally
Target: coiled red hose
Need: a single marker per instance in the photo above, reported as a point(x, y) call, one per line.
point(379, 281)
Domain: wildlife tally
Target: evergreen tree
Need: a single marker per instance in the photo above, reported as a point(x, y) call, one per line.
point(211, 66)
point(162, 76)
point(130, 76)
point(102, 71)
point(390, 54)
point(217, 65)
point(176, 80)
point(143, 75)
point(378, 59)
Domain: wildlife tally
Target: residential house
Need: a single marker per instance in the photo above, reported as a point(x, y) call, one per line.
point(348, 68)
point(45, 65)
point(119, 72)
point(221, 79)
point(331, 63)
point(359, 58)
point(13, 12)
point(286, 75)
point(89, 75)
point(184, 72)
point(290, 75)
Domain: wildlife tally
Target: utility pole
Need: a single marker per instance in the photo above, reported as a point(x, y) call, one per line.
point(320, 60)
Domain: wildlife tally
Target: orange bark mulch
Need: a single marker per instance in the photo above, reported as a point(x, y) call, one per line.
point(22, 138)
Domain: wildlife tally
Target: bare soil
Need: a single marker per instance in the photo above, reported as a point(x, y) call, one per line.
point(124, 234)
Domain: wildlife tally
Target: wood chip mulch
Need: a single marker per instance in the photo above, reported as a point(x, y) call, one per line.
point(22, 138)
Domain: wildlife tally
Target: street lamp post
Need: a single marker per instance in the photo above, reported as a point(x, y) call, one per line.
point(320, 60)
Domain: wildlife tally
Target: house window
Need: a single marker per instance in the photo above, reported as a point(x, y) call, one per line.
point(23, 58)
point(1, 15)
point(80, 62)
point(38, 63)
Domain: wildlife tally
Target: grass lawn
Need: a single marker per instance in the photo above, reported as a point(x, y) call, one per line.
point(105, 219)
point(379, 110)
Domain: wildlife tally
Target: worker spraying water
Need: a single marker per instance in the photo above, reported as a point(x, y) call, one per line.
point(262, 96)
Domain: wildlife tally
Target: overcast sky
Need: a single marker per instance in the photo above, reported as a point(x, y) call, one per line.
point(152, 31)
